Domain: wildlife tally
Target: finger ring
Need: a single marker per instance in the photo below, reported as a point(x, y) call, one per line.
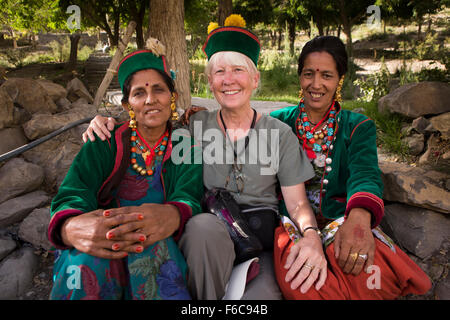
point(354, 256)
point(363, 256)
point(308, 266)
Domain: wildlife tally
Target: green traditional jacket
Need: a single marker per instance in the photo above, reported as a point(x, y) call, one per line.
point(352, 178)
point(99, 167)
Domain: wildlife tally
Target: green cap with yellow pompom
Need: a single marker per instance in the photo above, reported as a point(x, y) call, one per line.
point(232, 37)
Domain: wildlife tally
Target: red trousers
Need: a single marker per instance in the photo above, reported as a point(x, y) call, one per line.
point(393, 274)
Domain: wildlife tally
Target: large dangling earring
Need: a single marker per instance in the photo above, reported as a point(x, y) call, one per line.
point(337, 95)
point(175, 116)
point(300, 94)
point(132, 123)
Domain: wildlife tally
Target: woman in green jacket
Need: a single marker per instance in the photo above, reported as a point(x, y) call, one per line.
point(125, 200)
point(346, 192)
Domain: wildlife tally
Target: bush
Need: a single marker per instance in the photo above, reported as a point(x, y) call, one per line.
point(15, 57)
point(279, 68)
point(375, 85)
point(389, 126)
point(60, 49)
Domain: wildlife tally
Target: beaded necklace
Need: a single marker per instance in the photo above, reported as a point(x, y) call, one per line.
point(323, 130)
point(148, 154)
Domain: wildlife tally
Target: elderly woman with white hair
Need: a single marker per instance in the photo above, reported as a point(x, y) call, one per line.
point(249, 155)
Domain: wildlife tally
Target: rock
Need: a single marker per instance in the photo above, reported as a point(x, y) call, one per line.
point(16, 273)
point(446, 156)
point(16, 209)
point(418, 230)
point(63, 104)
point(76, 90)
point(415, 143)
point(34, 228)
point(442, 124)
point(6, 109)
point(30, 95)
point(442, 291)
point(6, 247)
point(54, 90)
point(55, 156)
point(81, 102)
point(426, 157)
point(43, 124)
point(18, 177)
point(435, 153)
point(420, 124)
point(417, 99)
point(11, 138)
point(415, 186)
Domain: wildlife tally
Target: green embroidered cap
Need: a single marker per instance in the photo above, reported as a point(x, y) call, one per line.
point(232, 38)
point(140, 60)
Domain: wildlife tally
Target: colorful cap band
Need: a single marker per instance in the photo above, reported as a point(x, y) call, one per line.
point(140, 60)
point(233, 39)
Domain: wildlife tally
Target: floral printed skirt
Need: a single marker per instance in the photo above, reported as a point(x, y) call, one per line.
point(157, 273)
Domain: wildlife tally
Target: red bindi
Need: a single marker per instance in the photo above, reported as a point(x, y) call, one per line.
point(146, 84)
point(317, 70)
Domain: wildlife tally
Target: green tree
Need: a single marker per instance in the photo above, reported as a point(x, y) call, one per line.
point(351, 12)
point(28, 16)
point(198, 15)
point(103, 14)
point(422, 8)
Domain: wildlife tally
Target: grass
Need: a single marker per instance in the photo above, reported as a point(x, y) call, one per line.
point(389, 126)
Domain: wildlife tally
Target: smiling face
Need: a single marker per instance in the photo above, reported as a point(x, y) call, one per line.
point(319, 80)
point(150, 99)
point(232, 80)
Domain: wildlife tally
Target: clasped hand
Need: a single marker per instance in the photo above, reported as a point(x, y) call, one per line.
point(113, 233)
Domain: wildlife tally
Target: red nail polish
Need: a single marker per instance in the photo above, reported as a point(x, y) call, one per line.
point(139, 249)
point(142, 238)
point(106, 213)
point(110, 235)
point(140, 217)
point(115, 246)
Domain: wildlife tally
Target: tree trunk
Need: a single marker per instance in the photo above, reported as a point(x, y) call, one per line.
point(171, 33)
point(429, 23)
point(225, 8)
point(346, 26)
point(291, 28)
point(280, 38)
point(319, 24)
point(110, 72)
point(13, 36)
point(74, 39)
point(419, 29)
point(140, 42)
point(138, 17)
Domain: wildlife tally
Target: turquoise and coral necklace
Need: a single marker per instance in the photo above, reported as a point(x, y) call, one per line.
point(148, 154)
point(309, 133)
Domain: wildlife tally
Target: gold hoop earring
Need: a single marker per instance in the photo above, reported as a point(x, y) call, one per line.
point(300, 94)
point(174, 116)
point(132, 123)
point(337, 95)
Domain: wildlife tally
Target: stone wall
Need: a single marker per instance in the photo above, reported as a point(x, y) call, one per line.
point(417, 199)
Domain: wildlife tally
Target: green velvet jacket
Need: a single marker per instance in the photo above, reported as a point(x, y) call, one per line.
point(100, 166)
point(353, 178)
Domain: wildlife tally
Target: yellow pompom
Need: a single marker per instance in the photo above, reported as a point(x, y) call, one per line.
point(212, 26)
point(235, 20)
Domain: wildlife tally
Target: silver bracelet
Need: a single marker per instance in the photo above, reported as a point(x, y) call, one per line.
point(313, 228)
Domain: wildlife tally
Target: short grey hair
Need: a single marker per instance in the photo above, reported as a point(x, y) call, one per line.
point(232, 58)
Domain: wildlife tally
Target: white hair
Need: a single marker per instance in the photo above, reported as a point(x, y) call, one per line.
point(231, 58)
